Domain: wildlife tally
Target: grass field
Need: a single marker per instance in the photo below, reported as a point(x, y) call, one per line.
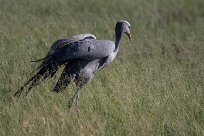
point(155, 86)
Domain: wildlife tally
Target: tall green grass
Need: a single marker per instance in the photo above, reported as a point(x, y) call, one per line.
point(155, 86)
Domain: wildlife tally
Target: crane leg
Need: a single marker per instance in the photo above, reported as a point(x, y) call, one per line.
point(76, 103)
point(74, 100)
point(80, 82)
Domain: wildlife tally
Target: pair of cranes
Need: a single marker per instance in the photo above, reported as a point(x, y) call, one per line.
point(83, 55)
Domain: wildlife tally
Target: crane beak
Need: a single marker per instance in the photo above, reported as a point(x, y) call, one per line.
point(129, 36)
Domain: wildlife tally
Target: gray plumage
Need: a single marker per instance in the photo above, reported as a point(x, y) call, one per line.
point(83, 58)
point(86, 49)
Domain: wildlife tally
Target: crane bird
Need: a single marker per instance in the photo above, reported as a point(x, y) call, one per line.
point(82, 59)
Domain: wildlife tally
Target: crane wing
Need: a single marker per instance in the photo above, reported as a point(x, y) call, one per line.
point(59, 45)
point(84, 49)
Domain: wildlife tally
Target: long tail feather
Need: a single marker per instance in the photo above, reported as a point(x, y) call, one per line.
point(37, 60)
point(42, 74)
point(64, 80)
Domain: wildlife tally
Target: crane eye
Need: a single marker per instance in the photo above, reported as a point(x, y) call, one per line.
point(128, 26)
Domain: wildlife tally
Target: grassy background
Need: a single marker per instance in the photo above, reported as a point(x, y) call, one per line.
point(155, 86)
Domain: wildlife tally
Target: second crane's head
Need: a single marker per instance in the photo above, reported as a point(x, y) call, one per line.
point(122, 26)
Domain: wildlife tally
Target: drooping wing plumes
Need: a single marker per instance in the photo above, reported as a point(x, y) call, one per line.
point(67, 75)
point(42, 73)
point(49, 66)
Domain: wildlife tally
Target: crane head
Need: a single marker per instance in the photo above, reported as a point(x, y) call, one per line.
point(124, 27)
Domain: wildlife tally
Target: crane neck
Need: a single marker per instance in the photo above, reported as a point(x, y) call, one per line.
point(118, 34)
